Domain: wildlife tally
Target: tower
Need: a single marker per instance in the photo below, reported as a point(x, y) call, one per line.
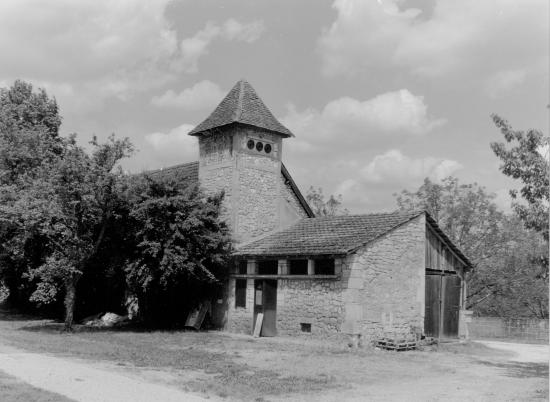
point(240, 150)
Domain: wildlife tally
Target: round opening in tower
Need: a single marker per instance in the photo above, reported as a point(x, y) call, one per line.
point(250, 144)
point(267, 148)
point(259, 146)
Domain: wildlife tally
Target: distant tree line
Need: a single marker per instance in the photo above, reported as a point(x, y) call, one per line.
point(77, 234)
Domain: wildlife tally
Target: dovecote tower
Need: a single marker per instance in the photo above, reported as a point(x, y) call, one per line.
point(240, 150)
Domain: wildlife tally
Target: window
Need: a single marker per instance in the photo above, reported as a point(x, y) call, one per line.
point(240, 293)
point(305, 327)
point(250, 144)
point(297, 267)
point(268, 267)
point(324, 266)
point(259, 146)
point(267, 148)
point(242, 267)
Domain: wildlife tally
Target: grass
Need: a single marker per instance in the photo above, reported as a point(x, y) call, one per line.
point(13, 390)
point(245, 368)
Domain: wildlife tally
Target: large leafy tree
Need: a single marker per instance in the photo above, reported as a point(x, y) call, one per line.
point(523, 159)
point(67, 203)
point(182, 248)
point(29, 136)
point(324, 207)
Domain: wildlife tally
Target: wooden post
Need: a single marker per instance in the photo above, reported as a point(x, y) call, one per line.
point(310, 266)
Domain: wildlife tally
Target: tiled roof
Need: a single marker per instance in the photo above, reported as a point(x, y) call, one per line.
point(188, 173)
point(242, 105)
point(333, 235)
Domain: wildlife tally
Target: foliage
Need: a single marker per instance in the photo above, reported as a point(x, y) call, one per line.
point(29, 127)
point(331, 207)
point(524, 161)
point(182, 248)
point(67, 203)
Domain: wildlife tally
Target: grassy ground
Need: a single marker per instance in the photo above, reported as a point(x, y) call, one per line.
point(13, 390)
point(243, 368)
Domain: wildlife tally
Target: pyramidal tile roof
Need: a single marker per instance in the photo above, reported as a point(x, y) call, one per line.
point(242, 105)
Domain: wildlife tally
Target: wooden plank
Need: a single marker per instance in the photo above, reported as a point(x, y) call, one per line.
point(196, 317)
point(258, 326)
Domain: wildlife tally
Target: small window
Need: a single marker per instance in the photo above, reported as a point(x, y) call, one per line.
point(242, 267)
point(259, 146)
point(240, 293)
point(324, 266)
point(305, 327)
point(250, 144)
point(268, 267)
point(267, 148)
point(298, 267)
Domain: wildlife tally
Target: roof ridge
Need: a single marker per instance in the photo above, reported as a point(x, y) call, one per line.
point(239, 109)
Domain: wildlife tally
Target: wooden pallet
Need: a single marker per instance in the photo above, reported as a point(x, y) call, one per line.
point(397, 345)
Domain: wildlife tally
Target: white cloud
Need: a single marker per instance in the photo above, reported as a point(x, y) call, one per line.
point(193, 48)
point(352, 120)
point(393, 166)
point(174, 146)
point(202, 95)
point(99, 49)
point(503, 82)
point(455, 37)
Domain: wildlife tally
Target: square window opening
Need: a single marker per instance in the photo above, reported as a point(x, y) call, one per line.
point(305, 327)
point(240, 293)
point(324, 266)
point(268, 267)
point(298, 267)
point(242, 267)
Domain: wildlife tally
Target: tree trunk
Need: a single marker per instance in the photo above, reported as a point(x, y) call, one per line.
point(70, 297)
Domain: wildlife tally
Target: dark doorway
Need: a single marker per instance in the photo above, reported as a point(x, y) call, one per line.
point(442, 300)
point(265, 301)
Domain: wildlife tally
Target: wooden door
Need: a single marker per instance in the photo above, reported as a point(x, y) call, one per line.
point(265, 301)
point(451, 305)
point(432, 312)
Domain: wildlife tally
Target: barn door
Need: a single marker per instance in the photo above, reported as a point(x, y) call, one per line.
point(451, 305)
point(432, 313)
point(442, 305)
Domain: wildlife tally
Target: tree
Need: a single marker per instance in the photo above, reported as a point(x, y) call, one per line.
point(182, 248)
point(331, 207)
point(29, 136)
point(67, 204)
point(523, 161)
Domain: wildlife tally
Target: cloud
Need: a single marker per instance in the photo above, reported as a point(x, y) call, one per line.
point(100, 49)
point(174, 146)
point(503, 82)
point(193, 48)
point(399, 112)
point(393, 166)
point(202, 95)
point(454, 37)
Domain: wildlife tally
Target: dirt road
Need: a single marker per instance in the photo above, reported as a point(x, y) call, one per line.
point(86, 381)
point(524, 353)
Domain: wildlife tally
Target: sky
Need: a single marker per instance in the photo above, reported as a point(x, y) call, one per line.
point(379, 93)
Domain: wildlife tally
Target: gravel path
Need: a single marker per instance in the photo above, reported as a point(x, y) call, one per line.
point(524, 353)
point(83, 381)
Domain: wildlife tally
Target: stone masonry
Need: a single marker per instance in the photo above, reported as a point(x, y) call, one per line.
point(384, 286)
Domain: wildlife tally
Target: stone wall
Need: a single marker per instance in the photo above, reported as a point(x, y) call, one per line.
point(384, 284)
point(257, 199)
point(239, 319)
point(317, 302)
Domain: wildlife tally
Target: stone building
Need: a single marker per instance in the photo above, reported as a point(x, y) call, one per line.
point(356, 274)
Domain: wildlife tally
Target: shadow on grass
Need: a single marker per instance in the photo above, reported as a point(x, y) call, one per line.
point(520, 370)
